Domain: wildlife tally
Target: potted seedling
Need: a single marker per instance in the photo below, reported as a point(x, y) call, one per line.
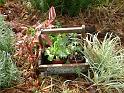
point(58, 51)
point(75, 49)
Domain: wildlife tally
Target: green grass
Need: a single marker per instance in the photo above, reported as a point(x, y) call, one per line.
point(106, 61)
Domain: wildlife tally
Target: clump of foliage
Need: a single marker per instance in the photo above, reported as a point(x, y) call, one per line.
point(6, 37)
point(2, 2)
point(74, 43)
point(69, 7)
point(40, 4)
point(106, 60)
point(59, 48)
point(64, 46)
point(9, 73)
point(31, 31)
point(102, 2)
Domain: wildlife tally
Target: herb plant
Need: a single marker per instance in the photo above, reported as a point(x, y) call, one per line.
point(59, 48)
point(6, 37)
point(76, 56)
point(9, 74)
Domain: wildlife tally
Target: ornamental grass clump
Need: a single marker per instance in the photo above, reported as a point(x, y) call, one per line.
point(106, 60)
point(9, 74)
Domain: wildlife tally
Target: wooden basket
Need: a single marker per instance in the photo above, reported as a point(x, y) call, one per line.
point(66, 68)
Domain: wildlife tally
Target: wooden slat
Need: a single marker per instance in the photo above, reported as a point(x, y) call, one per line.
point(65, 30)
point(63, 65)
point(63, 68)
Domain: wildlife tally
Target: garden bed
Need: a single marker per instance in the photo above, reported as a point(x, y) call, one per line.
point(23, 20)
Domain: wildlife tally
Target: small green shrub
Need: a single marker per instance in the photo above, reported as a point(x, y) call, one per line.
point(6, 37)
point(106, 61)
point(9, 73)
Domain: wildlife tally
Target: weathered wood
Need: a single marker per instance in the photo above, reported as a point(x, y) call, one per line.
point(63, 65)
point(65, 30)
point(82, 29)
point(63, 68)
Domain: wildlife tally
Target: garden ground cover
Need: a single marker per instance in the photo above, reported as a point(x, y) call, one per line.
point(20, 19)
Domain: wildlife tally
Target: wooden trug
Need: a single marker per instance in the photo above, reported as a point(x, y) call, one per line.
point(66, 68)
